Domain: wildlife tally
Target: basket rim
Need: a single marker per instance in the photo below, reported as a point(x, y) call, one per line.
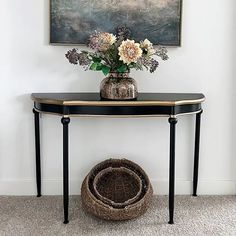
point(128, 207)
point(117, 169)
point(126, 161)
point(148, 187)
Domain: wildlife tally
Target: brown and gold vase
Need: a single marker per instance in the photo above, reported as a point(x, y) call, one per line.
point(118, 86)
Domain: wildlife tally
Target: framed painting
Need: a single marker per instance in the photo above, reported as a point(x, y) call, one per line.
point(72, 21)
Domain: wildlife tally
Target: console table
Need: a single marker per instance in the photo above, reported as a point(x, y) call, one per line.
point(66, 105)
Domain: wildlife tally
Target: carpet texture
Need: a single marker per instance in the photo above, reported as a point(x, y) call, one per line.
point(193, 216)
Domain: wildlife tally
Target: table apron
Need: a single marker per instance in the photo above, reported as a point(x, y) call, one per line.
point(118, 110)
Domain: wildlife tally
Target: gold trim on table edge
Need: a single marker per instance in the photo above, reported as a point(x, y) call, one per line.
point(117, 116)
point(117, 103)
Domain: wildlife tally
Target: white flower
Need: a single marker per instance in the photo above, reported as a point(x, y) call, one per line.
point(129, 51)
point(147, 46)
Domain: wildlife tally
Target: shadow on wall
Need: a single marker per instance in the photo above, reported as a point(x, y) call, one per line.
point(46, 23)
point(24, 134)
point(232, 117)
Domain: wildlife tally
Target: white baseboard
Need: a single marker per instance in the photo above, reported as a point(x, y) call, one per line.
point(54, 187)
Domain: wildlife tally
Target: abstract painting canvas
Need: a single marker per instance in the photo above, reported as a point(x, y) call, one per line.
point(72, 21)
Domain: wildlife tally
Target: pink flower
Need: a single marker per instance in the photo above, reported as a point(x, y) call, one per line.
point(129, 51)
point(101, 41)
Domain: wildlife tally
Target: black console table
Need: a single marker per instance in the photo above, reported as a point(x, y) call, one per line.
point(90, 104)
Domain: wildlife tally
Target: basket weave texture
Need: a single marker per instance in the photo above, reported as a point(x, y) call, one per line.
point(117, 187)
point(127, 206)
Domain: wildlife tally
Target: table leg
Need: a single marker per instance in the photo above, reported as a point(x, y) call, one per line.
point(65, 121)
point(37, 150)
point(196, 153)
point(173, 122)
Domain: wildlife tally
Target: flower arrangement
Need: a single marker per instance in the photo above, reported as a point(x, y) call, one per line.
point(117, 53)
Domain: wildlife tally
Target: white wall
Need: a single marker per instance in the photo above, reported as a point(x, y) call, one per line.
point(204, 63)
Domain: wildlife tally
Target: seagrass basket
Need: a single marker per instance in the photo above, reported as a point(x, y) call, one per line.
point(118, 186)
point(105, 209)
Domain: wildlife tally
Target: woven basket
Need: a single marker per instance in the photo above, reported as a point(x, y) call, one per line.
point(97, 207)
point(117, 187)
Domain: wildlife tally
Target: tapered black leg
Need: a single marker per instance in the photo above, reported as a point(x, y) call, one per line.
point(65, 121)
point(173, 122)
point(37, 150)
point(196, 153)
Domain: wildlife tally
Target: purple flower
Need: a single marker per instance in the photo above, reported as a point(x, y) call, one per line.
point(72, 56)
point(149, 63)
point(123, 33)
point(153, 65)
point(84, 60)
point(162, 53)
point(93, 42)
point(81, 58)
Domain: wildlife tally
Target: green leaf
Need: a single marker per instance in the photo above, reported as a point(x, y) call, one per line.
point(96, 66)
point(123, 68)
point(105, 70)
point(93, 66)
point(99, 66)
point(96, 59)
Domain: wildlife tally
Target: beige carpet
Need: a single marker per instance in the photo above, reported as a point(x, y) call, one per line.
point(43, 216)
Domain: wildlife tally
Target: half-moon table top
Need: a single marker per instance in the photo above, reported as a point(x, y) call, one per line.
point(94, 99)
point(91, 104)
